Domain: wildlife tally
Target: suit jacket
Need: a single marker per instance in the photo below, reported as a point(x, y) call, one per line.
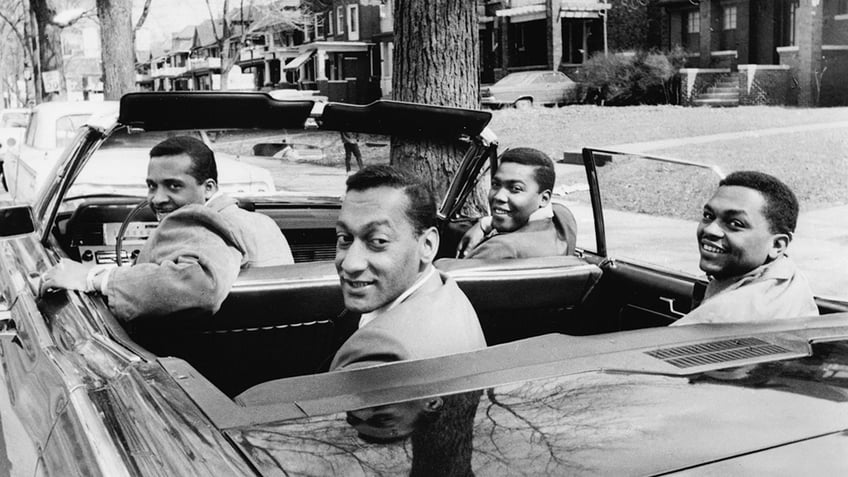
point(435, 320)
point(537, 238)
point(190, 262)
point(776, 290)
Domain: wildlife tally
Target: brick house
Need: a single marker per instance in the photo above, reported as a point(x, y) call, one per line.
point(518, 35)
point(340, 58)
point(785, 51)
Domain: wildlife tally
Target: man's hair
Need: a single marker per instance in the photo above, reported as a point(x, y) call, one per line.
point(202, 158)
point(781, 209)
point(545, 175)
point(421, 210)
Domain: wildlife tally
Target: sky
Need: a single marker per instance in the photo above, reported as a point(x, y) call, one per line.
point(169, 16)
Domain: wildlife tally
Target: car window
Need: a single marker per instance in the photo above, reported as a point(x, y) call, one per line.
point(541, 79)
point(66, 128)
point(512, 80)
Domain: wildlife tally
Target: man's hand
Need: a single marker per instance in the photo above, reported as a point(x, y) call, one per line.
point(65, 275)
point(473, 236)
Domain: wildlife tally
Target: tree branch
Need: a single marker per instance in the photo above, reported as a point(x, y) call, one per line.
point(143, 16)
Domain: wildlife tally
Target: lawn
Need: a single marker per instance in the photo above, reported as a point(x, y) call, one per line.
point(813, 163)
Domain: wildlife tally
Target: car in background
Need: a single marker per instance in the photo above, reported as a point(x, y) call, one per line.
point(528, 88)
point(13, 123)
point(581, 377)
point(51, 128)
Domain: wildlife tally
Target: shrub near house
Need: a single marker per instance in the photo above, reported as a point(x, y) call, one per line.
point(626, 78)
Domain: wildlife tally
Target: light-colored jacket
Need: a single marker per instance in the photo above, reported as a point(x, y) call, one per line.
point(774, 291)
point(435, 320)
point(190, 262)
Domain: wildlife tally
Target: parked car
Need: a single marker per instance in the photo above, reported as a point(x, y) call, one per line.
point(582, 376)
point(13, 122)
point(526, 88)
point(51, 128)
point(55, 124)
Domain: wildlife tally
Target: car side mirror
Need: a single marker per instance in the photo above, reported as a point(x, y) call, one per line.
point(16, 220)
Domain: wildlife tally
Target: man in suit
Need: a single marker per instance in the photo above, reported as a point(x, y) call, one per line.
point(386, 243)
point(524, 223)
point(743, 235)
point(193, 257)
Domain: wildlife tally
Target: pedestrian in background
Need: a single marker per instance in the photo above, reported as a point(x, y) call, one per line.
point(351, 147)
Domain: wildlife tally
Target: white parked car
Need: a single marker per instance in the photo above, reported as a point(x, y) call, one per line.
point(54, 125)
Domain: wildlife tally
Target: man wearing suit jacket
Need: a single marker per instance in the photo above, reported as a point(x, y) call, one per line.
point(386, 243)
point(524, 223)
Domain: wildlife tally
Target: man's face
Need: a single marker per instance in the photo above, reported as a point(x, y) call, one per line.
point(514, 196)
point(170, 186)
point(734, 236)
point(390, 422)
point(378, 255)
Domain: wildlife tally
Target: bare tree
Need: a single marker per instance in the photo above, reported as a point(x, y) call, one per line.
point(47, 47)
point(435, 61)
point(116, 47)
point(15, 52)
point(233, 28)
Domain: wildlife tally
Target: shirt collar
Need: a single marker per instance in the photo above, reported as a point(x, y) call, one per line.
point(545, 212)
point(214, 196)
point(371, 316)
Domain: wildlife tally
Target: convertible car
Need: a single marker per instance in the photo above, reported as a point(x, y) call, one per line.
point(582, 375)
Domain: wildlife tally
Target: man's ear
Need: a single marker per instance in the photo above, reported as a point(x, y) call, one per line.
point(544, 198)
point(779, 243)
point(210, 187)
point(428, 243)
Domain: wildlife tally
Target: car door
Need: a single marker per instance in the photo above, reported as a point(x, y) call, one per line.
point(646, 210)
point(32, 392)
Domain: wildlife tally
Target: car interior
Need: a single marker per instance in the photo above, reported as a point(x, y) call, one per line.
point(288, 321)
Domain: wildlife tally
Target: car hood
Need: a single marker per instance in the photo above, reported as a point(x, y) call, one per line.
point(620, 418)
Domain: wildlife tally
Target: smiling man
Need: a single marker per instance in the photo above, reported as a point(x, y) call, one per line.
point(386, 243)
point(193, 257)
point(524, 223)
point(746, 228)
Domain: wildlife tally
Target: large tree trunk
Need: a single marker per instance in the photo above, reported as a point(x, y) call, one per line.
point(436, 62)
point(48, 44)
point(116, 46)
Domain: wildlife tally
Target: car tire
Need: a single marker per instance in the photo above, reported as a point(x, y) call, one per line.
point(524, 103)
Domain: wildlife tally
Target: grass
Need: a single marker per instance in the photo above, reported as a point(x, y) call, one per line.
point(813, 163)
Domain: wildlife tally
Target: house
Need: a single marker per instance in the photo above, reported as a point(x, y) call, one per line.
point(518, 35)
point(776, 51)
point(339, 58)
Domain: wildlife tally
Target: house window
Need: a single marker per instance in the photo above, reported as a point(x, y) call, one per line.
point(384, 7)
point(352, 19)
point(842, 7)
point(793, 21)
point(319, 28)
point(728, 18)
point(693, 22)
point(329, 23)
point(340, 20)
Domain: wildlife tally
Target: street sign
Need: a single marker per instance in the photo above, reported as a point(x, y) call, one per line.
point(52, 81)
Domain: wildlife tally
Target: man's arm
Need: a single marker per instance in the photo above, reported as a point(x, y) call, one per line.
point(189, 263)
point(473, 236)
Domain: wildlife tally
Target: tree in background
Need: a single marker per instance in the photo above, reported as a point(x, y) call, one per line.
point(116, 47)
point(435, 61)
point(15, 54)
point(46, 37)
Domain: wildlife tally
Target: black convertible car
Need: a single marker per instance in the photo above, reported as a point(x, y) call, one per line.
point(581, 377)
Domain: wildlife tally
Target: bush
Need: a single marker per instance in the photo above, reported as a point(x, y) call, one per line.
point(626, 78)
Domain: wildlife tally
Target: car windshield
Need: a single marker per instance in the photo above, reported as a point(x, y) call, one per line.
point(267, 162)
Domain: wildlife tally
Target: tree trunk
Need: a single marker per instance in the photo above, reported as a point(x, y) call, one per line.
point(48, 45)
point(436, 62)
point(116, 46)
